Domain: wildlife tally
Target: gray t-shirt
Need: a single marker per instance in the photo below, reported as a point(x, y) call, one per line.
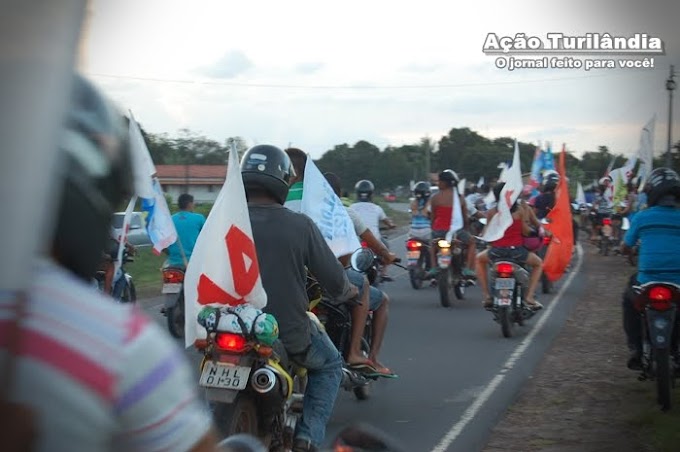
point(286, 242)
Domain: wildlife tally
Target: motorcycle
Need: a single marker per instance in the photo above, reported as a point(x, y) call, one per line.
point(657, 303)
point(123, 287)
point(253, 387)
point(451, 260)
point(173, 291)
point(606, 235)
point(508, 280)
point(418, 254)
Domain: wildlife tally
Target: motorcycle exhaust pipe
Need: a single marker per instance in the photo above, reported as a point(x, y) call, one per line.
point(263, 380)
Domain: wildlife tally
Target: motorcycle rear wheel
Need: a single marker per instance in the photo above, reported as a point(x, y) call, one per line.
point(175, 318)
point(459, 290)
point(505, 317)
point(664, 379)
point(237, 417)
point(445, 287)
point(416, 282)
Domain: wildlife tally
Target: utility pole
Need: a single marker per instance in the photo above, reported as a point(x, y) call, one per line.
point(428, 151)
point(670, 86)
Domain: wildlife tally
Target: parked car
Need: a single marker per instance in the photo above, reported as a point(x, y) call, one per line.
point(137, 234)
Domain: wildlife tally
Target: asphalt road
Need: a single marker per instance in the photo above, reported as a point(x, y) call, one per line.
point(457, 374)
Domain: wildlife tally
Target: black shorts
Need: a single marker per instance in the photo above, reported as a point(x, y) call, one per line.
point(517, 254)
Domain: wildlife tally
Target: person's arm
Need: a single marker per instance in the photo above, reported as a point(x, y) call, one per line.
point(168, 414)
point(323, 264)
point(377, 246)
point(533, 219)
point(385, 219)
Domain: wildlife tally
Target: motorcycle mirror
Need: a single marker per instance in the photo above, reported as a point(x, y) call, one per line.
point(483, 221)
point(545, 221)
point(241, 443)
point(366, 438)
point(362, 260)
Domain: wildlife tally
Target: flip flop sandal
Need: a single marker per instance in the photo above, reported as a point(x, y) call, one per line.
point(388, 374)
point(363, 368)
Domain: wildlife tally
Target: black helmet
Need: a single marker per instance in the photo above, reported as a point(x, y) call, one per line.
point(95, 178)
point(550, 180)
point(267, 167)
point(662, 182)
point(364, 189)
point(422, 190)
point(449, 176)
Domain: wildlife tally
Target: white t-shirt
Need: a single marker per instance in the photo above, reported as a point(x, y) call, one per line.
point(371, 214)
point(359, 226)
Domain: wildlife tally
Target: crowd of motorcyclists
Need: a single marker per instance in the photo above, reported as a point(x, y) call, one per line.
point(143, 396)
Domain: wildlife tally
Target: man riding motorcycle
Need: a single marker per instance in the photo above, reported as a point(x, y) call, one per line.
point(188, 225)
point(442, 207)
point(372, 215)
point(602, 205)
point(545, 201)
point(421, 226)
point(658, 230)
point(379, 300)
point(284, 254)
point(511, 246)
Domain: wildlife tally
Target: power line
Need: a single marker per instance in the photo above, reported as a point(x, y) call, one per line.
point(359, 87)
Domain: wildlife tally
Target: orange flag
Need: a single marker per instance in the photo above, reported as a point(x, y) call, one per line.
point(562, 244)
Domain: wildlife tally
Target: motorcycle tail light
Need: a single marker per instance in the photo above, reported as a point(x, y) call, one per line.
point(413, 245)
point(660, 298)
point(364, 244)
point(504, 270)
point(607, 222)
point(173, 276)
point(231, 342)
point(546, 240)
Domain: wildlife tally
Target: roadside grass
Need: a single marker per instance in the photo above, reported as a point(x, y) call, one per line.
point(146, 272)
point(658, 429)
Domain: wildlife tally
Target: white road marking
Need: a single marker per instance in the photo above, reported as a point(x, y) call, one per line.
point(477, 405)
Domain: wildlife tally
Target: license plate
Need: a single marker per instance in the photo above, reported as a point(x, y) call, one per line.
point(444, 261)
point(503, 301)
point(171, 288)
point(413, 255)
point(505, 283)
point(224, 376)
point(607, 230)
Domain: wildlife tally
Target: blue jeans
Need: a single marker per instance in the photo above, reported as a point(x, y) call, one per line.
point(324, 374)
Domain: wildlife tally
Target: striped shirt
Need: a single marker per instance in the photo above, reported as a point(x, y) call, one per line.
point(98, 375)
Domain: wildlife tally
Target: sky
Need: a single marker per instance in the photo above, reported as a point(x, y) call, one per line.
point(318, 74)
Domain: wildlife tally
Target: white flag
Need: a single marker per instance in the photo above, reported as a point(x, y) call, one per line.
point(646, 151)
point(322, 205)
point(123, 238)
point(142, 164)
point(580, 195)
point(461, 186)
point(223, 269)
point(159, 222)
point(511, 191)
point(456, 216)
point(480, 182)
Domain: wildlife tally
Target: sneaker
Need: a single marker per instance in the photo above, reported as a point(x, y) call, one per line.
point(533, 305)
point(634, 360)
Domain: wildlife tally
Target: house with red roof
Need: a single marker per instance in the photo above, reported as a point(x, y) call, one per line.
point(203, 182)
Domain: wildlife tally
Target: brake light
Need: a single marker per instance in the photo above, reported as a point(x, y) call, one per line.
point(546, 240)
point(607, 222)
point(660, 298)
point(173, 276)
point(413, 245)
point(364, 244)
point(504, 270)
point(231, 342)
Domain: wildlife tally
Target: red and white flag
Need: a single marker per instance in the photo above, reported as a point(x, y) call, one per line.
point(223, 269)
point(513, 188)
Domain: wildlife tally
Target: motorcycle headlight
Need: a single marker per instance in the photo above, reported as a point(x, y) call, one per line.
point(443, 244)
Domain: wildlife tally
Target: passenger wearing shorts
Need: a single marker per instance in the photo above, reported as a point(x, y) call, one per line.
point(510, 247)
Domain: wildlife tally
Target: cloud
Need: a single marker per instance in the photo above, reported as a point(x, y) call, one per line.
point(422, 67)
point(309, 67)
point(232, 64)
